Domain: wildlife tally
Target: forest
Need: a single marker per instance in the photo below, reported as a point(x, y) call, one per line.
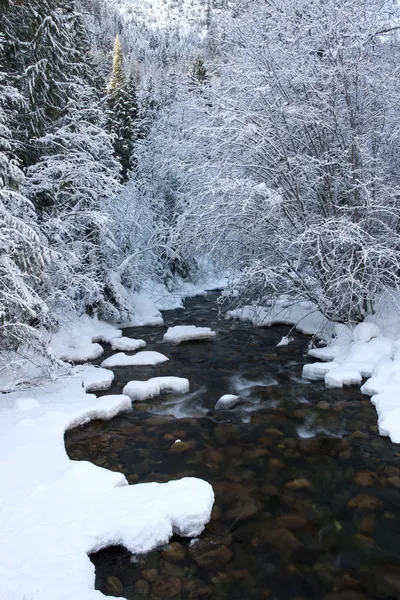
point(234, 164)
point(259, 138)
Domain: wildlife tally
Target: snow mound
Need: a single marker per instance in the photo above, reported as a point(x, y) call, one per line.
point(143, 390)
point(186, 333)
point(127, 344)
point(317, 371)
point(54, 511)
point(93, 378)
point(77, 342)
point(145, 312)
point(141, 359)
point(364, 332)
point(303, 315)
point(227, 401)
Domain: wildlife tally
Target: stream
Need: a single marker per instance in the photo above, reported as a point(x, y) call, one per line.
point(307, 501)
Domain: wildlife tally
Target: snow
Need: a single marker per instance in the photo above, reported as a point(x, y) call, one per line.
point(127, 344)
point(143, 390)
point(146, 314)
point(285, 341)
point(54, 511)
point(364, 332)
point(143, 358)
point(227, 401)
point(186, 333)
point(303, 315)
point(76, 341)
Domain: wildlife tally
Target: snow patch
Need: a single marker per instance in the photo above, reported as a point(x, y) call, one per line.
point(186, 333)
point(143, 358)
point(127, 344)
point(77, 341)
point(144, 390)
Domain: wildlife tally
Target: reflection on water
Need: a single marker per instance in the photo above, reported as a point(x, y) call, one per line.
point(307, 501)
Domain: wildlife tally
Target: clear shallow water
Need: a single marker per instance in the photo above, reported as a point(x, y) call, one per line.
point(307, 503)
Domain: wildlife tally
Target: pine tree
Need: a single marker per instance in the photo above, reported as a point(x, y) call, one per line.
point(122, 111)
point(23, 252)
point(73, 182)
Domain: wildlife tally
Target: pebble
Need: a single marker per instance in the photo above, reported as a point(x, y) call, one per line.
point(394, 481)
point(364, 501)
point(114, 585)
point(174, 552)
point(290, 521)
point(210, 555)
point(150, 575)
point(167, 587)
point(284, 541)
point(298, 484)
point(142, 587)
point(364, 478)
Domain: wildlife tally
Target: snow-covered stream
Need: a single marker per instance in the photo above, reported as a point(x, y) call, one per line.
point(307, 502)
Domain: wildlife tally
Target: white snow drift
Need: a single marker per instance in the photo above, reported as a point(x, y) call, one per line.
point(143, 390)
point(125, 344)
point(186, 333)
point(77, 342)
point(54, 511)
point(143, 358)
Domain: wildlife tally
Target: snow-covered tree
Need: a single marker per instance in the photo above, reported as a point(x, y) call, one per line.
point(23, 251)
point(122, 110)
point(73, 182)
point(285, 169)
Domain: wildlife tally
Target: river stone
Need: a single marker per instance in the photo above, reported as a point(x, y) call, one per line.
point(323, 405)
point(394, 481)
point(364, 478)
point(364, 501)
point(290, 521)
point(141, 406)
point(114, 585)
point(167, 587)
point(142, 587)
point(213, 457)
point(298, 484)
point(284, 541)
point(174, 552)
point(178, 447)
point(210, 555)
point(150, 575)
point(367, 524)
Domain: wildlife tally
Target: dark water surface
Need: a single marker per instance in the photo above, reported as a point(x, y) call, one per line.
point(307, 493)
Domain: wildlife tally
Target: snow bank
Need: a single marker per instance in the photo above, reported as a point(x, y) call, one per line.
point(227, 401)
point(371, 349)
point(143, 390)
point(145, 311)
point(302, 315)
point(186, 333)
point(54, 511)
point(77, 341)
point(143, 358)
point(127, 344)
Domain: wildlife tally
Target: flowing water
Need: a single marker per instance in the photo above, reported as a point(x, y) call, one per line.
point(307, 493)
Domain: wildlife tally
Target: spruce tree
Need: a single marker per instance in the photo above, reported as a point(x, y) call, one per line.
point(122, 111)
point(23, 251)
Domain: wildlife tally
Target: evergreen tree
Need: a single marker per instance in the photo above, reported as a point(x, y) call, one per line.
point(122, 110)
point(23, 252)
point(73, 182)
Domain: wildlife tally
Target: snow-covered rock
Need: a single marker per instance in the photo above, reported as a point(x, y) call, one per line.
point(145, 312)
point(285, 341)
point(186, 333)
point(125, 344)
point(227, 401)
point(144, 390)
point(143, 358)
